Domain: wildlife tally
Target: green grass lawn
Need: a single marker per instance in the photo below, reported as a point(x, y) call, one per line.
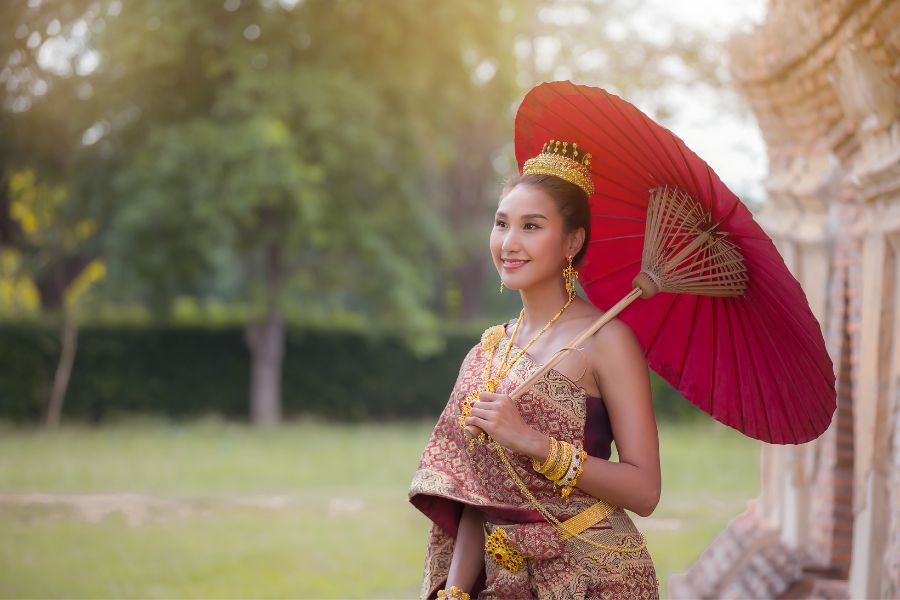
point(149, 509)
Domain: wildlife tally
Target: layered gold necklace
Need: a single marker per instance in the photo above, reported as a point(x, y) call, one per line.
point(569, 530)
point(491, 339)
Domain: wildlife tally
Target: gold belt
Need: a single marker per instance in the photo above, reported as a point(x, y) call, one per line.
point(590, 516)
point(500, 548)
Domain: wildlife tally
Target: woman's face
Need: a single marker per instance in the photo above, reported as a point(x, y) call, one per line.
point(528, 243)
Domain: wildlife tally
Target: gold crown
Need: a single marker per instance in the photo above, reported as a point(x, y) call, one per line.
point(563, 162)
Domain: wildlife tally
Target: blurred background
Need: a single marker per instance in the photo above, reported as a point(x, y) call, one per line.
point(243, 250)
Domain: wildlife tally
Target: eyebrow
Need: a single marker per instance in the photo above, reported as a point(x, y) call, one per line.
point(528, 216)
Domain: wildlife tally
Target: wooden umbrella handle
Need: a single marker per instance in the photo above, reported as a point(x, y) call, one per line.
point(600, 322)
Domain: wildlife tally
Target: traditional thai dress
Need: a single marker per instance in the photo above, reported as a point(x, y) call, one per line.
point(450, 475)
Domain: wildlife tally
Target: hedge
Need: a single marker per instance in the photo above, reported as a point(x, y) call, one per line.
point(181, 372)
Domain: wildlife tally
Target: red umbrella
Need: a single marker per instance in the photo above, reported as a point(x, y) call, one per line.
point(756, 361)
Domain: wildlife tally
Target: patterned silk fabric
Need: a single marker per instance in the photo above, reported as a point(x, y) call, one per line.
point(450, 475)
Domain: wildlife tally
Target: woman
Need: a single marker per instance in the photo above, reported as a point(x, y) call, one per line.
point(488, 539)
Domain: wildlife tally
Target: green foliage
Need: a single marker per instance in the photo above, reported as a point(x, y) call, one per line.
point(340, 156)
point(349, 375)
point(276, 158)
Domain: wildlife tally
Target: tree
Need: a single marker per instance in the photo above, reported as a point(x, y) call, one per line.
point(268, 138)
point(45, 237)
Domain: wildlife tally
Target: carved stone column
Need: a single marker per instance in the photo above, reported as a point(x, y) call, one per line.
point(823, 80)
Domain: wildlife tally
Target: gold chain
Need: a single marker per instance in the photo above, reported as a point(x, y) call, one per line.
point(490, 385)
point(604, 508)
point(566, 533)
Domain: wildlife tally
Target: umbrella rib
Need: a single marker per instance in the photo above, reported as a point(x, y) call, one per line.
point(712, 187)
point(756, 374)
point(736, 371)
point(786, 400)
point(681, 146)
point(618, 237)
point(633, 183)
point(619, 217)
point(713, 370)
point(788, 314)
point(710, 174)
point(800, 331)
point(805, 361)
point(687, 347)
point(748, 236)
point(659, 325)
point(652, 157)
point(733, 206)
point(608, 273)
point(611, 121)
point(624, 164)
point(674, 139)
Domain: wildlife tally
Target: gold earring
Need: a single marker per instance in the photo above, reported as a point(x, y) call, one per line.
point(501, 286)
point(570, 274)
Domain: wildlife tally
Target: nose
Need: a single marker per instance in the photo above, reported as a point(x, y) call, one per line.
point(510, 241)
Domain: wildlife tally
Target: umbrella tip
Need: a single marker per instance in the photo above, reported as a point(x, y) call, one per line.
point(646, 283)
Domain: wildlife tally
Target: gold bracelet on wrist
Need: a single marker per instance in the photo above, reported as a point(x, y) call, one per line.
point(573, 466)
point(567, 489)
point(453, 591)
point(562, 464)
point(551, 457)
point(558, 462)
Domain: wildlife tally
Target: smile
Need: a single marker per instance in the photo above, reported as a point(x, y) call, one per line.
point(513, 264)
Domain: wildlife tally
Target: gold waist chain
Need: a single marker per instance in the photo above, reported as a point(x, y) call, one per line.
point(569, 530)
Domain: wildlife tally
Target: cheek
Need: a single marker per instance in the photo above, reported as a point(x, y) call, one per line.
point(495, 241)
point(544, 244)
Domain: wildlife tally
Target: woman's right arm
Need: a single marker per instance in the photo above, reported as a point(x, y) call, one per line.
point(468, 551)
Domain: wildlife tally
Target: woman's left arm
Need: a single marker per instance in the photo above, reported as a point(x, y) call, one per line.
point(618, 361)
point(634, 482)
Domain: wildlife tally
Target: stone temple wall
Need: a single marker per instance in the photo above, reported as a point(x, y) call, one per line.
point(823, 80)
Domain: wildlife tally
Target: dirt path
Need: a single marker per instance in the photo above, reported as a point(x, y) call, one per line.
point(137, 508)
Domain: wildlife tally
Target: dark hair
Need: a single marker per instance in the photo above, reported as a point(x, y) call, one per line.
point(571, 200)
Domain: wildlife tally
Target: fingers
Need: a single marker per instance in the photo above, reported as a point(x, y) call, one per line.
point(476, 420)
point(489, 396)
point(479, 411)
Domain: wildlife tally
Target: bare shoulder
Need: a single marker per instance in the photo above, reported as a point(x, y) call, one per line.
point(614, 336)
point(617, 359)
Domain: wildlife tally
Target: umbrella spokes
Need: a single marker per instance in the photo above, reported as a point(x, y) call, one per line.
point(684, 252)
point(737, 336)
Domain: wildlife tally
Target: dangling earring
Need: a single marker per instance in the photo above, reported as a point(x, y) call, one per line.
point(501, 286)
point(570, 274)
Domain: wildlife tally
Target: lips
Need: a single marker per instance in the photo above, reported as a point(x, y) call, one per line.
point(513, 263)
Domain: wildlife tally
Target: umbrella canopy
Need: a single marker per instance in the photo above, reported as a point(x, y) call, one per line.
point(755, 362)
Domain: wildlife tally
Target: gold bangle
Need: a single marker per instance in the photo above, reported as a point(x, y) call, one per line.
point(453, 592)
point(551, 457)
point(569, 486)
point(573, 466)
point(562, 465)
point(558, 463)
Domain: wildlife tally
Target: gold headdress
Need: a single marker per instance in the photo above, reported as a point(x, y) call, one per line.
point(563, 162)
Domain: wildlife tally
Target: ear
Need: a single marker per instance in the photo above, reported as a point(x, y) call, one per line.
point(576, 239)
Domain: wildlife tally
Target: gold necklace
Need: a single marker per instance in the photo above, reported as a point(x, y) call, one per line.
point(570, 531)
point(489, 385)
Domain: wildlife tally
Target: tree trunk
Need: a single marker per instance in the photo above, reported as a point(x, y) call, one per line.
point(266, 342)
point(68, 346)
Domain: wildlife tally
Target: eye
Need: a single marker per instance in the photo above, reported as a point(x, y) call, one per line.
point(535, 226)
point(499, 222)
